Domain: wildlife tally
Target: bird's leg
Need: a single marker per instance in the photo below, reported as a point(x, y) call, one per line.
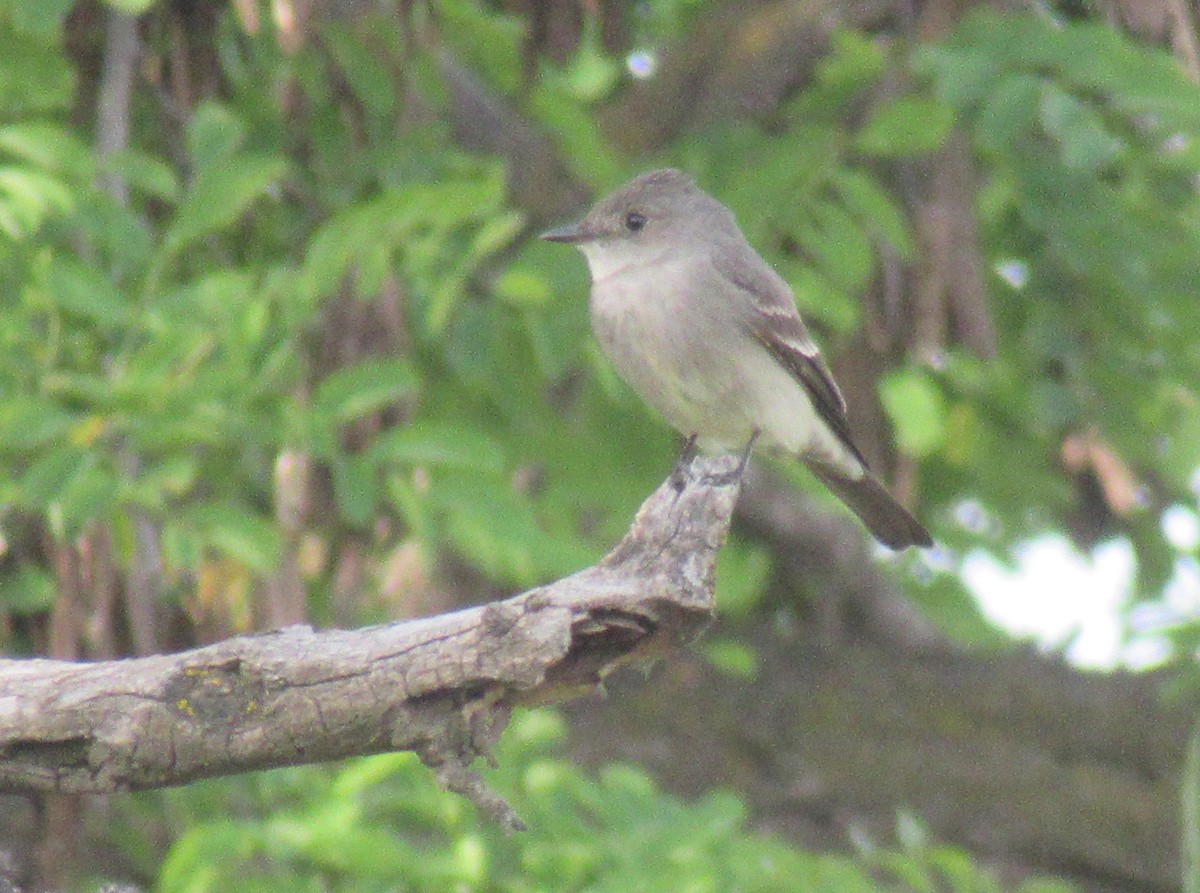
point(741, 469)
point(679, 472)
point(734, 476)
point(689, 450)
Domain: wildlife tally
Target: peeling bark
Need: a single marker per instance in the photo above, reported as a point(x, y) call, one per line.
point(441, 686)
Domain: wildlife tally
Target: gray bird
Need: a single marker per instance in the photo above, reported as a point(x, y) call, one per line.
point(708, 334)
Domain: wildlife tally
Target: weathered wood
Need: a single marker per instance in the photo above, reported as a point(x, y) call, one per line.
point(441, 686)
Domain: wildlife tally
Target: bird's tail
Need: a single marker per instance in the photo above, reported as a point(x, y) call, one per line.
point(887, 519)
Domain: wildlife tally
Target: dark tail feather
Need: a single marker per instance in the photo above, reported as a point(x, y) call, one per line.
point(887, 519)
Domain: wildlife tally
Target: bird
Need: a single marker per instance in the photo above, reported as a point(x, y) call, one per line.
point(708, 334)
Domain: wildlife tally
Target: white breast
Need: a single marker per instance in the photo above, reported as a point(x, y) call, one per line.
point(671, 333)
point(606, 259)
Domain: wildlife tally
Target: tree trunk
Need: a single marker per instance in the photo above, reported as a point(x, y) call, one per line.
point(1033, 766)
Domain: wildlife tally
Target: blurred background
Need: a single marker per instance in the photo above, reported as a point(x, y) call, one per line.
point(278, 345)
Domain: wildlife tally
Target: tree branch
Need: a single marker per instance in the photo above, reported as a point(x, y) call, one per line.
point(441, 686)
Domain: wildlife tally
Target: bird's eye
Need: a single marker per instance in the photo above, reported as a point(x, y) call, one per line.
point(634, 221)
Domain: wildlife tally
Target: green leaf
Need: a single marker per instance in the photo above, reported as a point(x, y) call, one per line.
point(1008, 112)
point(27, 590)
point(742, 573)
point(144, 173)
point(910, 125)
point(1085, 141)
point(584, 147)
point(364, 69)
point(183, 547)
point(30, 196)
point(87, 293)
point(446, 297)
point(854, 64)
point(494, 235)
point(592, 74)
point(1180, 446)
point(44, 480)
point(200, 859)
point(220, 195)
point(820, 299)
point(961, 75)
point(445, 444)
point(173, 476)
point(120, 233)
point(42, 17)
point(732, 658)
point(874, 209)
point(214, 135)
point(37, 75)
point(86, 496)
point(838, 245)
point(356, 487)
point(132, 7)
point(917, 409)
point(237, 531)
point(496, 529)
point(28, 422)
point(49, 146)
point(487, 42)
point(370, 385)
point(952, 610)
point(522, 287)
point(337, 243)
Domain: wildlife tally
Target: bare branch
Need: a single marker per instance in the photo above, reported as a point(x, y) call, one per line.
point(442, 686)
point(116, 88)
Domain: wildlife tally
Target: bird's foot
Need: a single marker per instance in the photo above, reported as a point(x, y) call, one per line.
point(735, 476)
point(679, 472)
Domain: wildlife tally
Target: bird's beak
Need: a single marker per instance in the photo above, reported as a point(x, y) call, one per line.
point(570, 234)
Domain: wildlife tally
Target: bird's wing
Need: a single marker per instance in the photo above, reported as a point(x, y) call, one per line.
point(776, 324)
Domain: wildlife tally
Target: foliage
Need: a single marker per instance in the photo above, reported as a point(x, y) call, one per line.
point(156, 352)
point(159, 351)
point(806, 194)
point(1091, 145)
point(1189, 797)
point(162, 352)
point(1088, 145)
point(381, 824)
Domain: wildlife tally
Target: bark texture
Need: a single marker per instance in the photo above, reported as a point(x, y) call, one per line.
point(441, 686)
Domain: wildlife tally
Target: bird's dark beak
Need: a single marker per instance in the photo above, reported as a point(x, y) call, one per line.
point(570, 234)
